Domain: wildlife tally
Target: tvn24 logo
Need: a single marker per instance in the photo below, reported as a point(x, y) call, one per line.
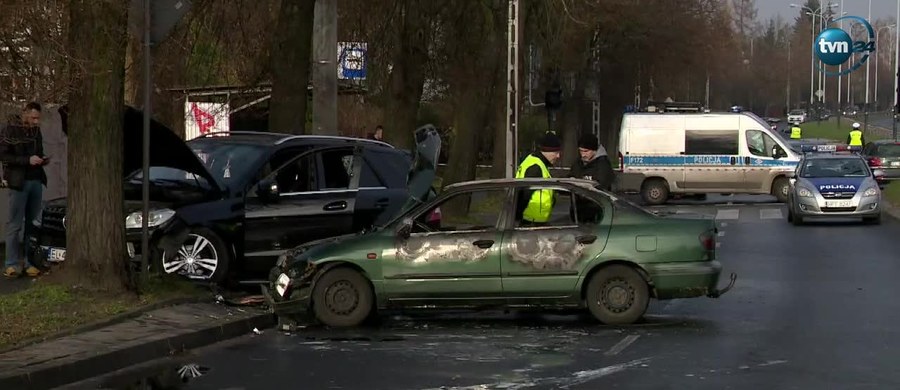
point(835, 46)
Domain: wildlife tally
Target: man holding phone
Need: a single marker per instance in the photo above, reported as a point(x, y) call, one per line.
point(22, 154)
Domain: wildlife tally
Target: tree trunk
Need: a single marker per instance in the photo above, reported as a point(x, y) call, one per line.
point(96, 236)
point(498, 99)
point(290, 67)
point(134, 71)
point(469, 114)
point(407, 78)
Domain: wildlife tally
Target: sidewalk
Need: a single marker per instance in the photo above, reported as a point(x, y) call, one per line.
point(151, 335)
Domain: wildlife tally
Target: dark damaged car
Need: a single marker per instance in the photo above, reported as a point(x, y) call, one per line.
point(228, 204)
point(469, 249)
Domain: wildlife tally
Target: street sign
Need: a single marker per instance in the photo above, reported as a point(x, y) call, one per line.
point(352, 63)
point(819, 93)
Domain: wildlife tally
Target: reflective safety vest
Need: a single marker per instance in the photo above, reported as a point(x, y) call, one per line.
point(856, 138)
point(541, 203)
point(796, 132)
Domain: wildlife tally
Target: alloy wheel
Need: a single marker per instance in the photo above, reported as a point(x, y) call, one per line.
point(196, 259)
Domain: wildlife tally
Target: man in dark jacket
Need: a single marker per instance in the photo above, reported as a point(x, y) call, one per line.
point(22, 154)
point(594, 164)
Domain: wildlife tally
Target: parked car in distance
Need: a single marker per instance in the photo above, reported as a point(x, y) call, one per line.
point(884, 155)
point(796, 117)
point(228, 204)
point(597, 252)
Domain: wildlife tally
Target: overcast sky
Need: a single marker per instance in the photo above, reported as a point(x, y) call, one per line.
point(881, 9)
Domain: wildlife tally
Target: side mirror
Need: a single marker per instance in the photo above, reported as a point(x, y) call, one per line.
point(405, 229)
point(776, 152)
point(267, 190)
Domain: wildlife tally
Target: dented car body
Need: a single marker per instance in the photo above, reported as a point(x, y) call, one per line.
point(469, 248)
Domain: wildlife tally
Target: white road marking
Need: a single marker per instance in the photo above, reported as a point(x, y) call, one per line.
point(723, 224)
point(718, 245)
point(721, 234)
point(728, 214)
point(772, 363)
point(621, 345)
point(770, 214)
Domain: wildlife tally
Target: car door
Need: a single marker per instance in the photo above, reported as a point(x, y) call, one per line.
point(712, 155)
point(546, 260)
point(452, 252)
point(316, 195)
point(759, 161)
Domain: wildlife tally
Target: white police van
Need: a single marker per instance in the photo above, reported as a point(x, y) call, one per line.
point(664, 153)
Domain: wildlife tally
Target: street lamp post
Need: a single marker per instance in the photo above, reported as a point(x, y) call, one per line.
point(897, 75)
point(820, 15)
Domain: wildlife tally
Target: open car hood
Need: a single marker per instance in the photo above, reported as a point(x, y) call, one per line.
point(166, 148)
point(424, 166)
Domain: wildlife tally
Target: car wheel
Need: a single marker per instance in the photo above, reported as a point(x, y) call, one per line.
point(202, 256)
point(797, 220)
point(342, 298)
point(780, 188)
point(655, 192)
point(617, 295)
point(872, 220)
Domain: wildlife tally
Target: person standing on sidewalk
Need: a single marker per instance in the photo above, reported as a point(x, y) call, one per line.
point(22, 155)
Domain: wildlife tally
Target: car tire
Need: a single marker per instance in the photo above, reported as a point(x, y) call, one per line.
point(780, 188)
point(795, 219)
point(872, 220)
point(342, 298)
point(655, 192)
point(790, 215)
point(631, 295)
point(214, 246)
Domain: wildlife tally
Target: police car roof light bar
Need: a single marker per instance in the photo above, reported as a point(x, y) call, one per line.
point(675, 106)
point(829, 148)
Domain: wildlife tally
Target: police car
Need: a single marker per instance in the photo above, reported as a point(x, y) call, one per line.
point(833, 181)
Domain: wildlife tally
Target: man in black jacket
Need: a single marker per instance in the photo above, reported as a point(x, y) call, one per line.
point(22, 154)
point(594, 164)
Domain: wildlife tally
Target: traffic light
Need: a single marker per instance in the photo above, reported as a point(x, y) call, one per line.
point(553, 98)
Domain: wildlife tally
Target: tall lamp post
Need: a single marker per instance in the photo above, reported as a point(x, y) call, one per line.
point(897, 75)
point(812, 66)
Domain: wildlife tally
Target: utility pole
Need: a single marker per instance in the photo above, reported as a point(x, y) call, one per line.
point(512, 87)
point(868, 63)
point(897, 78)
point(324, 79)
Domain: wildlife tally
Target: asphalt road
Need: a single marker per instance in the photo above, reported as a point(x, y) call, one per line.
point(814, 307)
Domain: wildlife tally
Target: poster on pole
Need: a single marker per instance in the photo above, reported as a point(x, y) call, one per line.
point(203, 117)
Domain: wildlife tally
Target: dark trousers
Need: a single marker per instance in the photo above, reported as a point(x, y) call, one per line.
point(24, 208)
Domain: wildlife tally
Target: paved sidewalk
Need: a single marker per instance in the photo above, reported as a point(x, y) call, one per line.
point(152, 335)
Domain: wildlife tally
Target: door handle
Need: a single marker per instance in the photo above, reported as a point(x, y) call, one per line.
point(382, 203)
point(733, 160)
point(587, 240)
point(484, 244)
point(335, 206)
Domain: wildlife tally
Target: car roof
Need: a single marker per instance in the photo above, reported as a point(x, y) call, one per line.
point(273, 139)
point(831, 156)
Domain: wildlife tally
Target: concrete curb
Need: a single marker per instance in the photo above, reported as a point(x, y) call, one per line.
point(103, 323)
point(106, 362)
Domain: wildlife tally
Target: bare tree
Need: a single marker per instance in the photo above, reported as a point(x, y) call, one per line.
point(96, 234)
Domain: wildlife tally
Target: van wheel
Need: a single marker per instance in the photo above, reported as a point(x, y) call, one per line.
point(780, 188)
point(655, 192)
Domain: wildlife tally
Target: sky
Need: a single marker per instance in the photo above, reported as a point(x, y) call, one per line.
point(881, 9)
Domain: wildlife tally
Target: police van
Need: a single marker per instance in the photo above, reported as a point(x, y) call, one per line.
point(665, 153)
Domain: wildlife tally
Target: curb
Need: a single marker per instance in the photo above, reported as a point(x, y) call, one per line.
point(892, 210)
point(103, 323)
point(103, 363)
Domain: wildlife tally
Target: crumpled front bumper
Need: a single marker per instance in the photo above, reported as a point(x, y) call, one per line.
point(297, 298)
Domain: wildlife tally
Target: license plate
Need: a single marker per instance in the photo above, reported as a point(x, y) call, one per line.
point(895, 163)
point(827, 148)
point(838, 203)
point(56, 255)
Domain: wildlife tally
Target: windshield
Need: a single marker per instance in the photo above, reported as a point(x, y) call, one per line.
point(796, 112)
point(888, 150)
point(228, 162)
point(834, 167)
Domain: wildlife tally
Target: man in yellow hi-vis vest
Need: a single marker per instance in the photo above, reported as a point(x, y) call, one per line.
point(796, 132)
point(535, 206)
point(856, 138)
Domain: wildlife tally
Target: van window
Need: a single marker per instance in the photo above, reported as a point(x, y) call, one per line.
point(759, 143)
point(711, 142)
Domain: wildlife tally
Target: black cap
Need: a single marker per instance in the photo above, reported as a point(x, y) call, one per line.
point(588, 141)
point(550, 142)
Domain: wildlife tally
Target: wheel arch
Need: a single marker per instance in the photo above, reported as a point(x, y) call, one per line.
point(599, 266)
point(776, 177)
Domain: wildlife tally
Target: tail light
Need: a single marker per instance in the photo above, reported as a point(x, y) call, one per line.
point(708, 240)
point(621, 162)
point(874, 161)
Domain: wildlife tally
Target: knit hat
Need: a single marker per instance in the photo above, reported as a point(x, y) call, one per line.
point(588, 141)
point(550, 142)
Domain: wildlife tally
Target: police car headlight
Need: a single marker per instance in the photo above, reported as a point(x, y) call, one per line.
point(805, 193)
point(871, 191)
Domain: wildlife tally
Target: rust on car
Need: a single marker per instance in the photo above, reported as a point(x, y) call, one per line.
point(554, 249)
point(424, 249)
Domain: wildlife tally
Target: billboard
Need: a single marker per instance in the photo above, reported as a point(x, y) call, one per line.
point(203, 117)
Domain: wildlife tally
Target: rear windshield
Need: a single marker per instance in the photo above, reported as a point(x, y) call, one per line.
point(887, 150)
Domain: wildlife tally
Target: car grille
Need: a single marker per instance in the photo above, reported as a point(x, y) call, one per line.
point(838, 209)
point(838, 195)
point(52, 218)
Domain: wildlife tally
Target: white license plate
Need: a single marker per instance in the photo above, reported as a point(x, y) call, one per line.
point(838, 203)
point(895, 163)
point(827, 148)
point(56, 255)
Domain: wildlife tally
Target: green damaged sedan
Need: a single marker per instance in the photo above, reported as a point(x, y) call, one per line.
point(471, 248)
